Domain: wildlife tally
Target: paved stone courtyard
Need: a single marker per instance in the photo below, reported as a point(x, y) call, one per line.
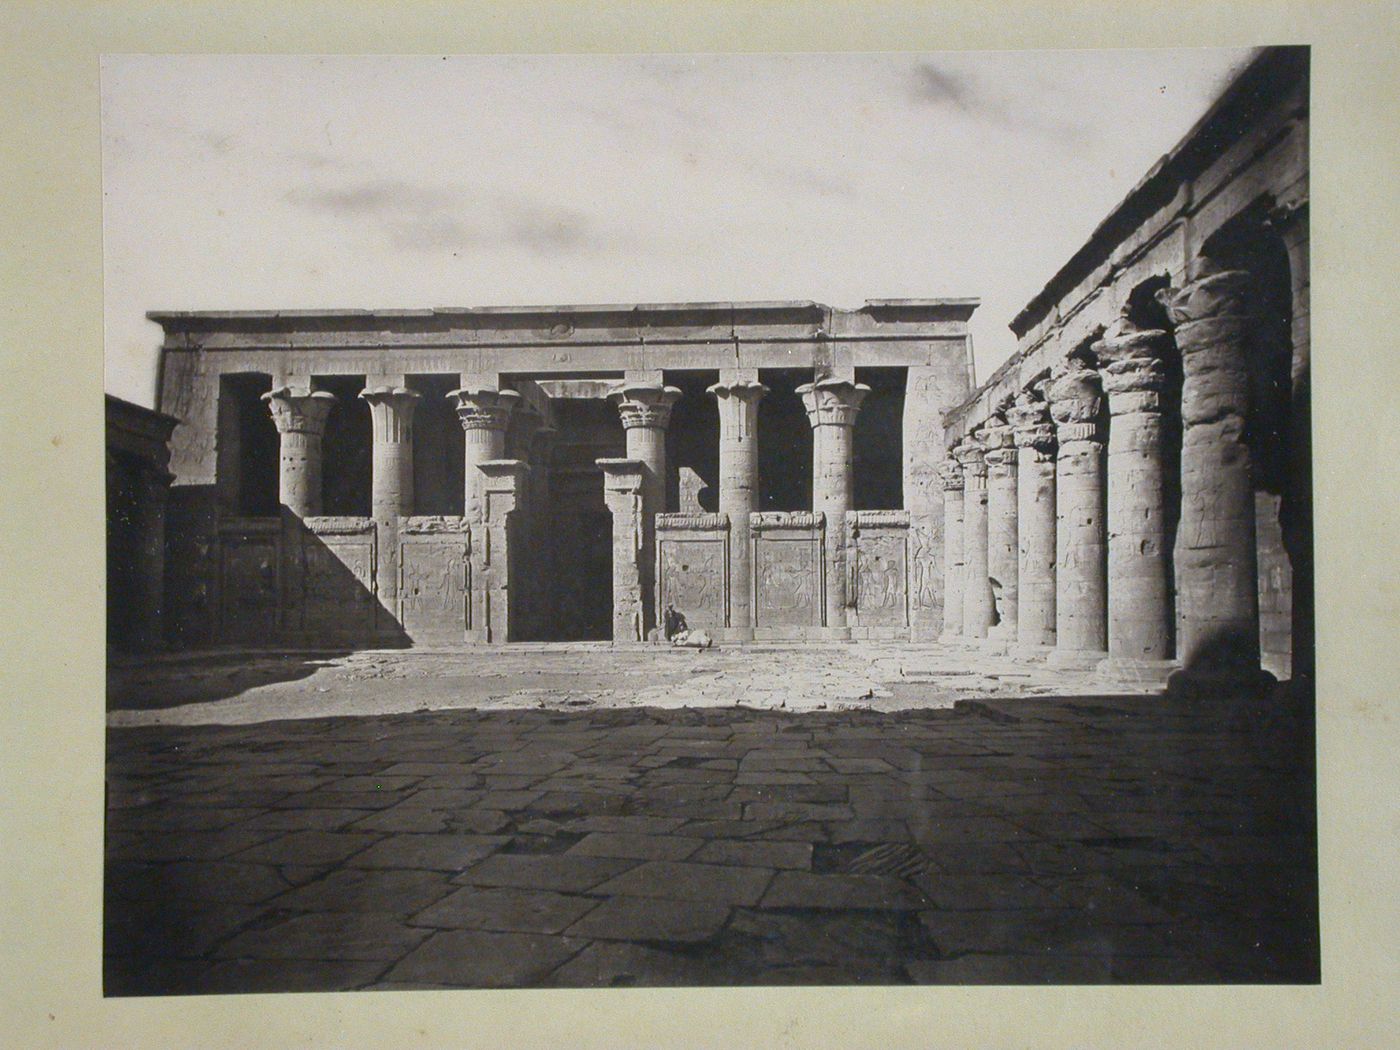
point(1006, 837)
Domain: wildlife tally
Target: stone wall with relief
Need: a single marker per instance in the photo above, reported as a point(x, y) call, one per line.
point(692, 567)
point(878, 561)
point(788, 573)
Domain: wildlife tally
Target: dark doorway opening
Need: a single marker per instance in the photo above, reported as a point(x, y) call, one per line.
point(692, 443)
point(346, 450)
point(246, 424)
point(878, 441)
point(439, 482)
point(784, 442)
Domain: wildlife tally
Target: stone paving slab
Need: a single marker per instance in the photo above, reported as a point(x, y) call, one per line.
point(1039, 839)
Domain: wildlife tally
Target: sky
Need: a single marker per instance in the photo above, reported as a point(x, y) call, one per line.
point(392, 182)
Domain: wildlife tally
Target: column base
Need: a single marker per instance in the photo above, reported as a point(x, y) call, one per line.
point(1199, 684)
point(1002, 632)
point(1032, 651)
point(1131, 671)
point(952, 638)
point(1074, 659)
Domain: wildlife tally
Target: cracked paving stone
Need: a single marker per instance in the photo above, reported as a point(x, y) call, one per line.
point(355, 936)
point(403, 818)
point(286, 975)
point(191, 845)
point(219, 882)
point(505, 910)
point(308, 848)
point(756, 854)
point(178, 930)
point(566, 873)
point(621, 964)
point(368, 890)
point(481, 959)
point(431, 852)
point(652, 919)
point(801, 889)
point(637, 847)
point(692, 882)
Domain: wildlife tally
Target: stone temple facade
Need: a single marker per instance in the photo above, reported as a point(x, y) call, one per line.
point(1130, 491)
point(492, 475)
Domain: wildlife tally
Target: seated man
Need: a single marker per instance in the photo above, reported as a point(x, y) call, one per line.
point(673, 623)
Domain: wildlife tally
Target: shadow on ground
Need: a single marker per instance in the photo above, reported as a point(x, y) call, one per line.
point(1090, 839)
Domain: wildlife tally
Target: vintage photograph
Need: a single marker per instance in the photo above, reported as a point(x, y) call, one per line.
point(597, 521)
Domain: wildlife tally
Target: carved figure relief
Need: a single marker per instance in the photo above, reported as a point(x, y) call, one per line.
point(692, 579)
point(880, 579)
point(788, 582)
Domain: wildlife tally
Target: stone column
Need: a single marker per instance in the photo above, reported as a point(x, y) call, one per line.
point(832, 405)
point(1139, 604)
point(1217, 559)
point(1002, 569)
point(301, 422)
point(1081, 581)
point(738, 394)
point(977, 591)
point(953, 567)
point(1035, 502)
point(391, 487)
point(623, 481)
point(485, 415)
point(645, 409)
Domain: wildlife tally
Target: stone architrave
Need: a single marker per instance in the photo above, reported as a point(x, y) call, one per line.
point(300, 419)
point(485, 414)
point(1035, 502)
point(503, 485)
point(1081, 580)
point(1216, 546)
point(953, 568)
point(832, 405)
point(977, 589)
point(623, 482)
point(1139, 600)
point(1002, 569)
point(645, 410)
point(738, 396)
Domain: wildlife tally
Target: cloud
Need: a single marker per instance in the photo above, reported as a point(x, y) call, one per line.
point(943, 87)
point(428, 234)
point(380, 196)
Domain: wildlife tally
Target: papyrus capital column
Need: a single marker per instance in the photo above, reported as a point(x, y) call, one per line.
point(300, 419)
point(391, 422)
point(485, 415)
point(1139, 606)
point(623, 481)
point(977, 590)
point(951, 475)
point(832, 406)
point(1217, 557)
point(1002, 570)
point(645, 410)
point(1081, 584)
point(1034, 436)
point(737, 396)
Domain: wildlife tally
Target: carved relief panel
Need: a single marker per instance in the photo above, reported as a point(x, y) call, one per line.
point(434, 580)
point(338, 591)
point(692, 567)
point(249, 588)
point(787, 569)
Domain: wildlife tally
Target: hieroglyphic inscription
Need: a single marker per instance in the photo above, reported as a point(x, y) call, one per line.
point(787, 579)
point(338, 585)
point(248, 588)
point(880, 578)
point(433, 590)
point(692, 579)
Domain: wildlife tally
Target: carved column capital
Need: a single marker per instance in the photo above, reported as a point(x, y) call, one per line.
point(299, 413)
point(1031, 427)
point(997, 436)
point(391, 410)
point(1075, 398)
point(484, 408)
point(645, 406)
point(950, 472)
point(832, 402)
point(1131, 363)
point(1224, 293)
point(971, 455)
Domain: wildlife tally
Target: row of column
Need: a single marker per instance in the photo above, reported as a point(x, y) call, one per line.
point(644, 409)
point(1054, 540)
